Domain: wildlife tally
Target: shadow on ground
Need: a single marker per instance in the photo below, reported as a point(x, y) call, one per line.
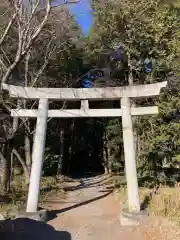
point(83, 185)
point(53, 214)
point(27, 229)
point(146, 202)
point(86, 175)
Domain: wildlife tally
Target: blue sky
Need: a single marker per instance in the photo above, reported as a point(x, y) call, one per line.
point(82, 13)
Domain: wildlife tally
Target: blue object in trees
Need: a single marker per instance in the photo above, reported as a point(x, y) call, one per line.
point(87, 83)
point(148, 65)
point(91, 77)
point(119, 55)
point(95, 74)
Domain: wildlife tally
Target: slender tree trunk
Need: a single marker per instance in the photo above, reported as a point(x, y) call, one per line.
point(2, 161)
point(24, 166)
point(61, 154)
point(27, 144)
point(70, 143)
point(3, 171)
point(122, 161)
point(106, 155)
point(12, 166)
point(6, 153)
point(106, 170)
point(138, 145)
point(110, 160)
point(5, 156)
point(110, 169)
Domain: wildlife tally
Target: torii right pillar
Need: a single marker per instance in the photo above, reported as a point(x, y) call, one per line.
point(130, 156)
point(131, 214)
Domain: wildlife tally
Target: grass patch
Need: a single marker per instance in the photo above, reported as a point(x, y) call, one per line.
point(116, 180)
point(19, 191)
point(165, 202)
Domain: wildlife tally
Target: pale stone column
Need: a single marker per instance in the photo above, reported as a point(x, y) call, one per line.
point(85, 104)
point(37, 156)
point(130, 158)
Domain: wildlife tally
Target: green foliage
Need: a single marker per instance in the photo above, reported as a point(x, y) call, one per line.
point(115, 142)
point(178, 158)
point(145, 29)
point(50, 163)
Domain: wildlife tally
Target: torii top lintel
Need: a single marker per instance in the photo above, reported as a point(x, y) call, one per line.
point(75, 94)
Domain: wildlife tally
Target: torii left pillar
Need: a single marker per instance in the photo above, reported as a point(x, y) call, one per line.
point(37, 156)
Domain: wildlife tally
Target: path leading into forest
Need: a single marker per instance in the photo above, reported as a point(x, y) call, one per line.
point(90, 211)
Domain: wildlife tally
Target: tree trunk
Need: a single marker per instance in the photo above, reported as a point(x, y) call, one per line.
point(12, 166)
point(24, 166)
point(138, 145)
point(106, 170)
point(70, 144)
point(110, 170)
point(27, 144)
point(5, 157)
point(110, 160)
point(2, 172)
point(6, 151)
point(61, 154)
point(106, 155)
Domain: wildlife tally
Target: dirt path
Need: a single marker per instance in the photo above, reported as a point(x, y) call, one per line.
point(90, 212)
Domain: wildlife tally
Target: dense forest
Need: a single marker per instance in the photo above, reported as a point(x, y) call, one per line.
point(59, 56)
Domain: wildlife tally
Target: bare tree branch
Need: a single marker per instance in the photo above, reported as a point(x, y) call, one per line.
point(3, 65)
point(24, 42)
point(39, 28)
point(47, 57)
point(27, 68)
point(7, 29)
point(29, 21)
point(5, 55)
point(23, 163)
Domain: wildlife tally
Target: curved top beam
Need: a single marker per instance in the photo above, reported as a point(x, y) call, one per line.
point(75, 94)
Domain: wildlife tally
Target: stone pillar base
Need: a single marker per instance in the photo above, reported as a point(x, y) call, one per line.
point(41, 215)
point(131, 218)
point(2, 217)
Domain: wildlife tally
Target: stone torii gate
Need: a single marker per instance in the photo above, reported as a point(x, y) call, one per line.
point(84, 95)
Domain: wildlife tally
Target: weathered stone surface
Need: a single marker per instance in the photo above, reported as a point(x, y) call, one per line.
point(132, 218)
point(1, 217)
point(85, 93)
point(41, 215)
